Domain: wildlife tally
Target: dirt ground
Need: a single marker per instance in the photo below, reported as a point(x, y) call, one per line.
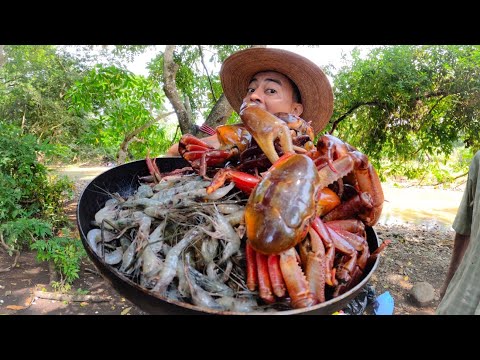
point(415, 254)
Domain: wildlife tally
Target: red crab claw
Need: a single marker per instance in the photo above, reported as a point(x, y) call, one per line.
point(369, 182)
point(232, 140)
point(364, 178)
point(313, 257)
point(201, 155)
point(243, 181)
point(295, 280)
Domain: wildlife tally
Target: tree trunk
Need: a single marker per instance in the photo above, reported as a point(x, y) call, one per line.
point(220, 112)
point(121, 156)
point(170, 88)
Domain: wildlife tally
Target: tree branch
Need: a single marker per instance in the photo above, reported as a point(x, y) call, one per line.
point(455, 178)
point(71, 298)
point(122, 153)
point(148, 124)
point(8, 248)
point(435, 105)
point(220, 112)
point(206, 71)
point(351, 110)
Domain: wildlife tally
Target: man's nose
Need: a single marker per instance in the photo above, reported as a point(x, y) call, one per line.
point(255, 96)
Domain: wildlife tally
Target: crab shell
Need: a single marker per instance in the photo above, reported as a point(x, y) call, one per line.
point(282, 205)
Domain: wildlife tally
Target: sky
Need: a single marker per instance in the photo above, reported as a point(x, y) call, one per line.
point(321, 55)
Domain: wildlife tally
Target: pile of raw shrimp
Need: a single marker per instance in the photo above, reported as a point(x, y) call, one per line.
point(180, 243)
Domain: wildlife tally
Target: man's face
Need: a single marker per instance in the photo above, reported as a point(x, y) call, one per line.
point(273, 92)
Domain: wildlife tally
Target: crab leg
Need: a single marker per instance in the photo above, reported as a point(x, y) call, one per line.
point(252, 276)
point(315, 267)
point(297, 285)
point(351, 225)
point(264, 283)
point(374, 255)
point(363, 258)
point(276, 278)
point(351, 208)
point(354, 240)
point(369, 182)
point(153, 168)
point(346, 268)
point(321, 230)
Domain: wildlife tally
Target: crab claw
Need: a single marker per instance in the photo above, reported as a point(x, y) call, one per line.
point(265, 129)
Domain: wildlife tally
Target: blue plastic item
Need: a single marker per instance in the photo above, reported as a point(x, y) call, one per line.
point(384, 304)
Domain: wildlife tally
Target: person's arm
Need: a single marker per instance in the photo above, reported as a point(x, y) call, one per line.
point(172, 151)
point(459, 246)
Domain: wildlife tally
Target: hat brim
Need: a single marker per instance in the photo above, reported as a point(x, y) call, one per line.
point(315, 89)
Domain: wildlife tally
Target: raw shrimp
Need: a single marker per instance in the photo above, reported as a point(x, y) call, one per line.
point(170, 265)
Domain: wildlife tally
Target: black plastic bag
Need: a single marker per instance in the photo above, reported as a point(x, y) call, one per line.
point(365, 297)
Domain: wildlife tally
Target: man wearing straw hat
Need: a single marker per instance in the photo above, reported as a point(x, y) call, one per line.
point(278, 81)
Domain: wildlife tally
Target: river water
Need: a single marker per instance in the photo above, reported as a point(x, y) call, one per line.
point(432, 208)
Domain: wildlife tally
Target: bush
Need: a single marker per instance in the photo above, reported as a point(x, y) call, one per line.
point(32, 203)
point(65, 252)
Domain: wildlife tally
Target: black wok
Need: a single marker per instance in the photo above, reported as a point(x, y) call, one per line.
point(123, 179)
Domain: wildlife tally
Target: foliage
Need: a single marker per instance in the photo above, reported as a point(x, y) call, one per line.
point(31, 201)
point(21, 232)
point(27, 189)
point(65, 252)
point(40, 86)
point(117, 102)
point(33, 82)
point(410, 105)
point(438, 170)
point(106, 55)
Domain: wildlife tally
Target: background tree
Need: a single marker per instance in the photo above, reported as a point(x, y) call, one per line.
point(33, 83)
point(123, 108)
point(404, 103)
point(189, 74)
point(83, 101)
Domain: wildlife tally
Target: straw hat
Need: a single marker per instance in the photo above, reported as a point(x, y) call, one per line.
point(315, 90)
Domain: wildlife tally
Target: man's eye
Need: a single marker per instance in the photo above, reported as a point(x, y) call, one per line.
point(250, 90)
point(271, 91)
